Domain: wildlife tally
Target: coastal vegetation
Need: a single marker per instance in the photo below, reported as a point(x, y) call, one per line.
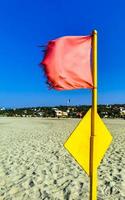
point(105, 111)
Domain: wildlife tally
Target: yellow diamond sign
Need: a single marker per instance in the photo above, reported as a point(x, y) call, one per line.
point(78, 144)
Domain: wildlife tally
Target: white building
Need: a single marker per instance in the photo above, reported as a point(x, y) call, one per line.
point(122, 111)
point(60, 113)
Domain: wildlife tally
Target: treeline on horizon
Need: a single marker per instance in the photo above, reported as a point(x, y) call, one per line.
point(107, 111)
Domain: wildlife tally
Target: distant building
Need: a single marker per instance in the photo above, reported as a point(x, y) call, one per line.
point(60, 113)
point(79, 114)
point(2, 108)
point(40, 114)
point(108, 106)
point(122, 111)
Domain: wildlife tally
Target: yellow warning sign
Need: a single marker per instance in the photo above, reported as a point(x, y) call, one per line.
point(78, 144)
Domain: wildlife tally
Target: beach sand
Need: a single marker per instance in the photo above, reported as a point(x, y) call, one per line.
point(34, 164)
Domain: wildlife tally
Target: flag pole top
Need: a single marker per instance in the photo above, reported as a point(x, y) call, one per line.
point(94, 32)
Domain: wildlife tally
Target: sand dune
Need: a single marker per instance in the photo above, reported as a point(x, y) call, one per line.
point(34, 164)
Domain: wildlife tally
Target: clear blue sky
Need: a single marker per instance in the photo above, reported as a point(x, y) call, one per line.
point(26, 24)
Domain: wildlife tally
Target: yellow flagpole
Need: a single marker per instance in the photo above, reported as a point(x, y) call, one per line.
point(93, 169)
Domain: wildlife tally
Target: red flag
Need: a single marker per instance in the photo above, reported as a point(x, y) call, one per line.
point(67, 63)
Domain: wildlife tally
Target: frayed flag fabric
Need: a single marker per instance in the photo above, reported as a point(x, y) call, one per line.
point(67, 63)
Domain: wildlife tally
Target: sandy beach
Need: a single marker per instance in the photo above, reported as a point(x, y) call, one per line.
point(34, 164)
